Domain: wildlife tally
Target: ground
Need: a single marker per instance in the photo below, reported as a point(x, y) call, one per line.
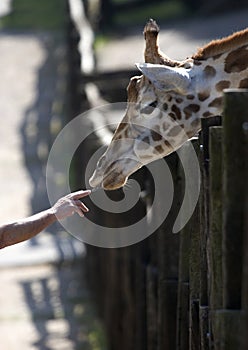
point(45, 303)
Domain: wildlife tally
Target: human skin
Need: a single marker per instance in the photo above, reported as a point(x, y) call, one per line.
point(24, 229)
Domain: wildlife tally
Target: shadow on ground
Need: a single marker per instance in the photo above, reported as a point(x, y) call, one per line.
point(62, 311)
point(59, 304)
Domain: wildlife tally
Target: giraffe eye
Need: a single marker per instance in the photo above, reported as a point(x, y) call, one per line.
point(153, 104)
point(149, 108)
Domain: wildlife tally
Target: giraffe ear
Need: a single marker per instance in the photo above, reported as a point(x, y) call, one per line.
point(166, 78)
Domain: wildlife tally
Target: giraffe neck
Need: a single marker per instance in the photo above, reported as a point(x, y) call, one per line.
point(214, 74)
point(210, 77)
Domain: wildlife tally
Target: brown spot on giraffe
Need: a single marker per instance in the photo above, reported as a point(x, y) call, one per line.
point(177, 111)
point(209, 71)
point(207, 114)
point(221, 85)
point(167, 143)
point(187, 113)
point(175, 131)
point(155, 136)
point(190, 97)
point(244, 83)
point(237, 60)
point(172, 115)
point(192, 108)
point(217, 102)
point(159, 149)
point(165, 106)
point(203, 96)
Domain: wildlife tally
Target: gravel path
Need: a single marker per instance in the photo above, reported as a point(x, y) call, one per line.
point(44, 300)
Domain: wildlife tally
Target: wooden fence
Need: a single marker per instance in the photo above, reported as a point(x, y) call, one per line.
point(187, 290)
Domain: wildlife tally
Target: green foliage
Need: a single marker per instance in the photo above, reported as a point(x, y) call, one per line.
point(35, 15)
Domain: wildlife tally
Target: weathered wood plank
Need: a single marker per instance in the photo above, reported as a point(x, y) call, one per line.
point(215, 231)
point(215, 213)
point(228, 326)
point(245, 266)
point(152, 305)
point(167, 316)
point(194, 271)
point(234, 152)
point(204, 231)
point(183, 317)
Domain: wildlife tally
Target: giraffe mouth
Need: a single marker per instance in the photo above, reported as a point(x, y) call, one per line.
point(114, 177)
point(111, 180)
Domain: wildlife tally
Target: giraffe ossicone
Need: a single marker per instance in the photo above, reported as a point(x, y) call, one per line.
point(166, 103)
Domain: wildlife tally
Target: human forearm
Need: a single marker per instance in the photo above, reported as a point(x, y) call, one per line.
point(24, 229)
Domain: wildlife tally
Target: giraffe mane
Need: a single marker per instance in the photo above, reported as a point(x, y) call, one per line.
point(220, 46)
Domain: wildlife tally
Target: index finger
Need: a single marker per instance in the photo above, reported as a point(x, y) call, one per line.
point(80, 194)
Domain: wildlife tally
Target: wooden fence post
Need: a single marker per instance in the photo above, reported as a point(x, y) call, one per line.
point(236, 113)
point(245, 266)
point(204, 232)
point(234, 184)
point(194, 273)
point(187, 323)
point(215, 231)
point(168, 254)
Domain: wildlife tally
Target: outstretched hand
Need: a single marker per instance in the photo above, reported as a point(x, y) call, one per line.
point(70, 204)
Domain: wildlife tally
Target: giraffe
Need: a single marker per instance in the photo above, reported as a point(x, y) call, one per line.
point(167, 102)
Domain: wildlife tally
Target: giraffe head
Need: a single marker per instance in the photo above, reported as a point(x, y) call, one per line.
point(166, 103)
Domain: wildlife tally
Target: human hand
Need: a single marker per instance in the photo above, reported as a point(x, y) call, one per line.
point(70, 204)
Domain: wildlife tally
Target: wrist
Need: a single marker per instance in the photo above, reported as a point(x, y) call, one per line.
point(51, 214)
